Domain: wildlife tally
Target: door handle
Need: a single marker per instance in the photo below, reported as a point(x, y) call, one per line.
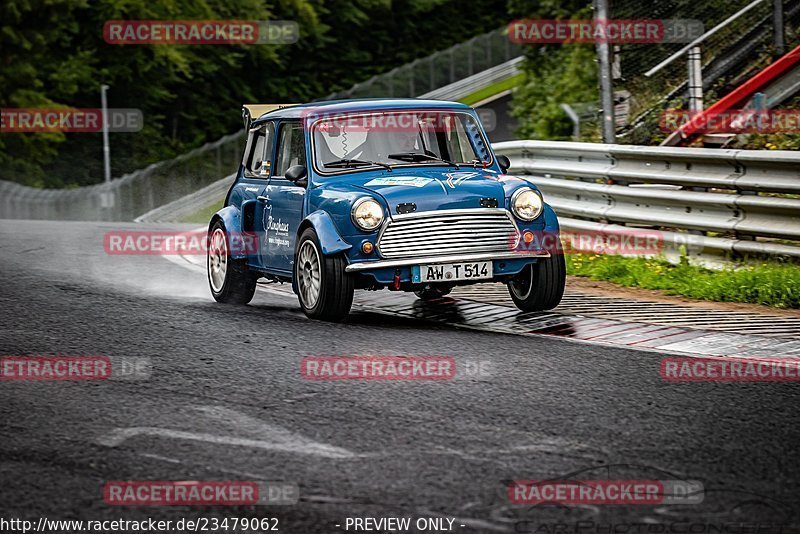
point(262, 198)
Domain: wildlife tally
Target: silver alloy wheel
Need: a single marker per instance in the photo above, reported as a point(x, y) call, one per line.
point(217, 259)
point(522, 285)
point(309, 273)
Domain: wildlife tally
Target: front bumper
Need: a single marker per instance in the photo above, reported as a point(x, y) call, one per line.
point(452, 258)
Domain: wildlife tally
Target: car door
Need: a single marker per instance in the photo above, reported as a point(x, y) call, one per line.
point(249, 192)
point(283, 210)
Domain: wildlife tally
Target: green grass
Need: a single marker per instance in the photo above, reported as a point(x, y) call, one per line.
point(491, 90)
point(770, 283)
point(203, 215)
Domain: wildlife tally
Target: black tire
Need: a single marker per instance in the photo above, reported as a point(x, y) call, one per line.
point(431, 293)
point(540, 286)
point(238, 284)
point(334, 296)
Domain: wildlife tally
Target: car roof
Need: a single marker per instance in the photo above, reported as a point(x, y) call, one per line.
point(335, 107)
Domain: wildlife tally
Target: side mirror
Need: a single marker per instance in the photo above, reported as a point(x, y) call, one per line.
point(297, 174)
point(504, 162)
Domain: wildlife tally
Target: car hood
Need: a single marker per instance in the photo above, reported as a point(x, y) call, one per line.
point(437, 189)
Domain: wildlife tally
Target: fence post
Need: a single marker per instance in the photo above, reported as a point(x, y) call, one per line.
point(695, 81)
point(778, 29)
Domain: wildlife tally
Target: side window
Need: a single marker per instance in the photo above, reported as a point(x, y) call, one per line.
point(261, 150)
point(459, 139)
point(291, 147)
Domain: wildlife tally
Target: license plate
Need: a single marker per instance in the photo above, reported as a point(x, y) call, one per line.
point(452, 272)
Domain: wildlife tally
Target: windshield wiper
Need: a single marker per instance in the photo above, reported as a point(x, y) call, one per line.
point(356, 162)
point(416, 156)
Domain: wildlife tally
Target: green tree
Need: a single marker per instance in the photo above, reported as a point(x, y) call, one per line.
point(553, 74)
point(53, 54)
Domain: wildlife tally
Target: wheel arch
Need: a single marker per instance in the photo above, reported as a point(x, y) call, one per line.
point(330, 241)
point(232, 220)
point(550, 219)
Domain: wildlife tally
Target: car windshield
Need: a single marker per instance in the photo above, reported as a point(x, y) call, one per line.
point(358, 141)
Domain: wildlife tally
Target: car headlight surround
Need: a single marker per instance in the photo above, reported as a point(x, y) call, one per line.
point(527, 204)
point(367, 213)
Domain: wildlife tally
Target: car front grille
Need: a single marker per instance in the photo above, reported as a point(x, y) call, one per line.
point(436, 233)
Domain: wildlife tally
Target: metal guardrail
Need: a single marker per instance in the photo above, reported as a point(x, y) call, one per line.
point(183, 207)
point(127, 197)
point(772, 171)
point(594, 186)
point(438, 70)
point(476, 82)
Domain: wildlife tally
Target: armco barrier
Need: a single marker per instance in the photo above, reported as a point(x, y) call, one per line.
point(130, 196)
point(735, 201)
point(745, 195)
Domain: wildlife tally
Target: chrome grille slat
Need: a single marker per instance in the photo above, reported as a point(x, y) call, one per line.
point(434, 241)
point(447, 222)
point(445, 249)
point(448, 230)
point(455, 237)
point(441, 232)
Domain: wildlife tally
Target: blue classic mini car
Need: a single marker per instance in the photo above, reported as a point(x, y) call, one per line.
point(402, 194)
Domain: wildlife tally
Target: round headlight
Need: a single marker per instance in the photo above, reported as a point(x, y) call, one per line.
point(527, 204)
point(367, 213)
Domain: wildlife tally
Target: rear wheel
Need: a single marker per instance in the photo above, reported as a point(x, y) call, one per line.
point(324, 289)
point(540, 285)
point(433, 292)
point(229, 279)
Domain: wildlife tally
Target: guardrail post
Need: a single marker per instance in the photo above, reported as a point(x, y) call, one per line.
point(777, 25)
point(695, 81)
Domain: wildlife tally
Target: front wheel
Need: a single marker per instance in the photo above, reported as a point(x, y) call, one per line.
point(540, 285)
point(325, 291)
point(229, 279)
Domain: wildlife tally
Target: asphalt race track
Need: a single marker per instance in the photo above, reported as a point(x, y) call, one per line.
point(227, 401)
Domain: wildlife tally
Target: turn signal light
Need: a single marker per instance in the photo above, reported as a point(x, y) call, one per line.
point(367, 247)
point(527, 237)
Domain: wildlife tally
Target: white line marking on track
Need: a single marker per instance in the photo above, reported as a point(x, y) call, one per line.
point(269, 437)
point(282, 440)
